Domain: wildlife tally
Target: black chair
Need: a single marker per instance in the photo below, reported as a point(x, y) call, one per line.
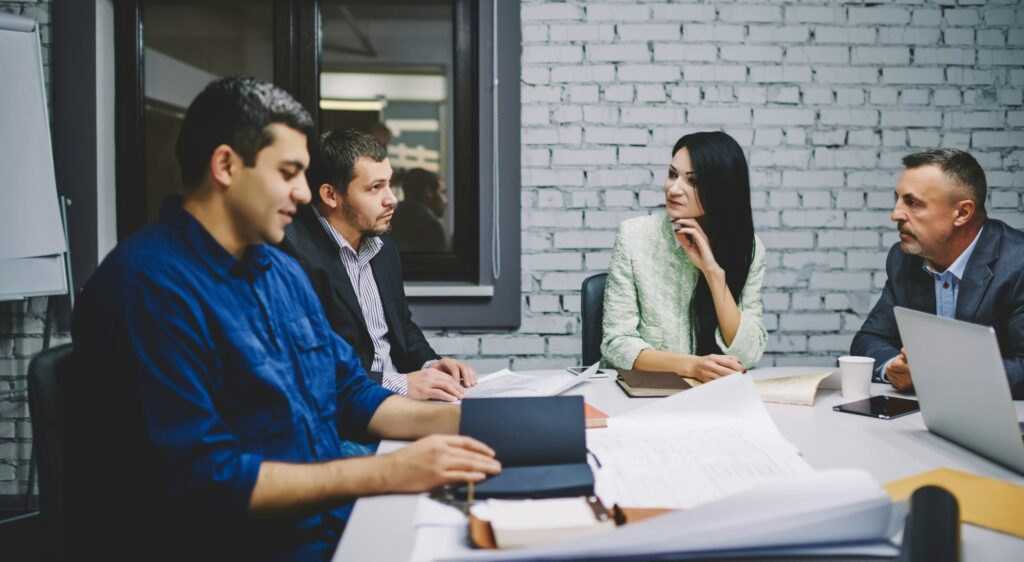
point(591, 314)
point(47, 397)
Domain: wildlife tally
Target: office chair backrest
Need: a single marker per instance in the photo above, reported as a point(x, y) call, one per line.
point(47, 374)
point(591, 315)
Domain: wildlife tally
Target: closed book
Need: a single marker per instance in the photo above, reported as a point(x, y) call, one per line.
point(540, 443)
point(594, 417)
point(650, 383)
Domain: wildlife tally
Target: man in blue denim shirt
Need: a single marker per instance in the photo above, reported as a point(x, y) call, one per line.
point(217, 393)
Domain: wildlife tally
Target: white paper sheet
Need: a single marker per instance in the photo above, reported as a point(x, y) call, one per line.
point(506, 383)
point(692, 448)
point(432, 513)
point(685, 468)
point(734, 397)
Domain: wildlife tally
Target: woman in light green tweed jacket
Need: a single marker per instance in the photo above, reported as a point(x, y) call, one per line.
point(684, 287)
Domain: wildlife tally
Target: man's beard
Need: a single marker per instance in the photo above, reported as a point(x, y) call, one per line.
point(912, 245)
point(367, 227)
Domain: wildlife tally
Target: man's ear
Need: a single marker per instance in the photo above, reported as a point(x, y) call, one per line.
point(964, 212)
point(223, 165)
point(329, 195)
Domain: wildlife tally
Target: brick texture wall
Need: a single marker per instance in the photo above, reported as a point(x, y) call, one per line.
point(21, 325)
point(825, 96)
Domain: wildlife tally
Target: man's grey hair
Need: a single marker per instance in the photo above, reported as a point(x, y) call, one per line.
point(962, 171)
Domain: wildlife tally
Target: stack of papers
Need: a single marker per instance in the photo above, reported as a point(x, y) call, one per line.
point(692, 448)
point(835, 512)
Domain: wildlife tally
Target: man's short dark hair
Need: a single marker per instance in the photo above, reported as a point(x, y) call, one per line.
point(236, 111)
point(332, 158)
point(417, 182)
point(960, 169)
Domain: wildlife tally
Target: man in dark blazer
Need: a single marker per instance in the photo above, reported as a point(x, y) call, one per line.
point(341, 242)
point(952, 260)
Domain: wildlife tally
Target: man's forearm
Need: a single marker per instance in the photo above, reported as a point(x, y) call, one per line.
point(285, 489)
point(401, 418)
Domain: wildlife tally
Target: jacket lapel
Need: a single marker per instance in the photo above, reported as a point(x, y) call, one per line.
point(978, 273)
point(382, 276)
point(921, 293)
point(329, 253)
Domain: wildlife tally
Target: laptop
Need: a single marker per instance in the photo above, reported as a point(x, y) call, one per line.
point(961, 385)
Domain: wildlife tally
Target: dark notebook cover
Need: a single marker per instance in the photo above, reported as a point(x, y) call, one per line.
point(650, 383)
point(541, 443)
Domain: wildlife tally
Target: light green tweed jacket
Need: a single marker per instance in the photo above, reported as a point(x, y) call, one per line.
point(647, 297)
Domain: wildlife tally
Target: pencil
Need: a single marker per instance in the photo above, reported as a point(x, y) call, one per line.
point(469, 493)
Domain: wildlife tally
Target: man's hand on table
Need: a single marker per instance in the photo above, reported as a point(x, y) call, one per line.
point(437, 460)
point(433, 384)
point(898, 373)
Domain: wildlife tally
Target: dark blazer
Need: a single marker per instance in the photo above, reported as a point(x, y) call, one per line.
point(307, 241)
point(991, 293)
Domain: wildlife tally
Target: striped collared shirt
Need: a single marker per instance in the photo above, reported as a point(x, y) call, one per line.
point(357, 265)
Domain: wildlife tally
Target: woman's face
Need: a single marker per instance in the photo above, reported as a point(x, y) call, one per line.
point(681, 199)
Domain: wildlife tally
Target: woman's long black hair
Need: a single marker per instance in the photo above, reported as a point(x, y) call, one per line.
point(723, 189)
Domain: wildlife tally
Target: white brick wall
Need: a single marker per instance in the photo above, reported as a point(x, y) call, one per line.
point(825, 97)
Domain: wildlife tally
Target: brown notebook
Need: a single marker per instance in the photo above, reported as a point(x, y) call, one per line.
point(650, 383)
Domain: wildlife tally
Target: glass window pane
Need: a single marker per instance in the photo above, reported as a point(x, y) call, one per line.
point(387, 69)
point(187, 44)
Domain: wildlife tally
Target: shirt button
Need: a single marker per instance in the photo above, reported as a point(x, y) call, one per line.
point(945, 285)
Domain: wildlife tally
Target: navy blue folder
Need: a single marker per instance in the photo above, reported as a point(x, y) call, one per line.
point(541, 443)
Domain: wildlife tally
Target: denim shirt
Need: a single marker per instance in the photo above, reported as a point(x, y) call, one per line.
point(213, 365)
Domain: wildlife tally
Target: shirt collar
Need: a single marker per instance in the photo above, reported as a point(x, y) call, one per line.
point(367, 250)
point(956, 269)
point(255, 260)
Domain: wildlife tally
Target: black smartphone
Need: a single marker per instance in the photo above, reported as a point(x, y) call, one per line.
point(599, 374)
point(883, 407)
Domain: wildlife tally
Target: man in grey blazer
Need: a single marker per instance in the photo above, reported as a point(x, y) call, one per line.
point(952, 260)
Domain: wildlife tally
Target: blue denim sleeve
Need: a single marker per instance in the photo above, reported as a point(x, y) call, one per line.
point(358, 397)
point(174, 358)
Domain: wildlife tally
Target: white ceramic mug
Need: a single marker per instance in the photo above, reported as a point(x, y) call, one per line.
point(855, 373)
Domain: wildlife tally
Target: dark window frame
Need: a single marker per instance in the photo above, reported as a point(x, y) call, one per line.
point(297, 60)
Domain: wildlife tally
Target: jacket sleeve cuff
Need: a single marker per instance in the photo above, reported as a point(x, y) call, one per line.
point(396, 382)
point(749, 343)
point(880, 371)
point(244, 482)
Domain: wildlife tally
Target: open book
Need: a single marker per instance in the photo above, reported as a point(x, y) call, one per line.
point(793, 389)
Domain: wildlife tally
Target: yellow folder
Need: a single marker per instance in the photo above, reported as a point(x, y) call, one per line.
point(986, 502)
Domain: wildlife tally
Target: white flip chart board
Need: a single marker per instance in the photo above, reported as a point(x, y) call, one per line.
point(32, 242)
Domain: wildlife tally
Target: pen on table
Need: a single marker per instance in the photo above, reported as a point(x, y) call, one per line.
point(469, 494)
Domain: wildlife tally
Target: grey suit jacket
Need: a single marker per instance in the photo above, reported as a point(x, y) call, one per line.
point(991, 293)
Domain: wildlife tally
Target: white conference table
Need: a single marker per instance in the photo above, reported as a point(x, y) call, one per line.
point(382, 527)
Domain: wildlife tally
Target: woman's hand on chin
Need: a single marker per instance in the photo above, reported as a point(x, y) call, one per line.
point(695, 243)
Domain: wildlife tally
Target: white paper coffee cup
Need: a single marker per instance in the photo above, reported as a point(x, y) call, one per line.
point(855, 374)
